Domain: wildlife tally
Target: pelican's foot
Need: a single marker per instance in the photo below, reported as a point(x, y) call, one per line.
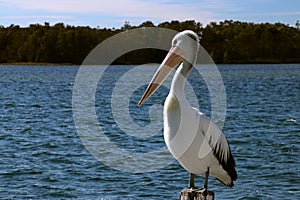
point(192, 189)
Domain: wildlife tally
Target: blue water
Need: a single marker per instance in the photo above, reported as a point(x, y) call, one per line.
point(42, 156)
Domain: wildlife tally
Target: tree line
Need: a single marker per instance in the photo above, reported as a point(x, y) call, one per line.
point(227, 42)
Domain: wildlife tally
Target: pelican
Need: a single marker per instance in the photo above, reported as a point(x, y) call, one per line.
point(191, 137)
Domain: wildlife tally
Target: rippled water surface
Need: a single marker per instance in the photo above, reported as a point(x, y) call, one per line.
point(42, 156)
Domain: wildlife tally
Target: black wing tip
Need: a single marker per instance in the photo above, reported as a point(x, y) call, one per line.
point(229, 167)
point(233, 177)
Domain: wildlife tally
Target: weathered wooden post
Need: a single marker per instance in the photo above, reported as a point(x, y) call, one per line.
point(193, 193)
point(196, 194)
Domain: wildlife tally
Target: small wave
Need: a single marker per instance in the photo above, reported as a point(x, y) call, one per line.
point(290, 120)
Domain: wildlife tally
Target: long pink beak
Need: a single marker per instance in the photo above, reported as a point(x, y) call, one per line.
point(172, 60)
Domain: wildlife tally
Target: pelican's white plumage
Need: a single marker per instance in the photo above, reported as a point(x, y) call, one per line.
point(193, 139)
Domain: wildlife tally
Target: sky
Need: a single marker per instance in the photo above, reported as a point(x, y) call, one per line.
point(114, 13)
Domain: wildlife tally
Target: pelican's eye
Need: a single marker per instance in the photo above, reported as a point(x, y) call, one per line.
point(174, 43)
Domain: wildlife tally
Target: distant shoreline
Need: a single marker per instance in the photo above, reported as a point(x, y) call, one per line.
point(70, 64)
point(38, 64)
point(226, 42)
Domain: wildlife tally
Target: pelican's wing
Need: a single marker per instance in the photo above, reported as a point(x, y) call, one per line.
point(219, 145)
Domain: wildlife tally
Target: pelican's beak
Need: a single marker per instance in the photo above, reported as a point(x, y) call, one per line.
point(172, 60)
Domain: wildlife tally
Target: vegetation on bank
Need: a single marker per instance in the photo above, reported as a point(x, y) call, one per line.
point(226, 42)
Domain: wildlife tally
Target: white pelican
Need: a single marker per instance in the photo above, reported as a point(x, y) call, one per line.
point(194, 140)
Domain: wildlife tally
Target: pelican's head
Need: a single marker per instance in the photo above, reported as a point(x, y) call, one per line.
point(185, 46)
point(188, 41)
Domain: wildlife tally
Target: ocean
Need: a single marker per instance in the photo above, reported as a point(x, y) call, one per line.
point(45, 155)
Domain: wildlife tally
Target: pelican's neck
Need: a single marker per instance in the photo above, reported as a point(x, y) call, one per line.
point(178, 82)
point(175, 102)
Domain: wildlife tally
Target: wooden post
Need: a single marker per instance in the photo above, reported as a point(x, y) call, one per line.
point(196, 194)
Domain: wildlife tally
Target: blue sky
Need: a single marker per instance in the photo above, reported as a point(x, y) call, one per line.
point(113, 13)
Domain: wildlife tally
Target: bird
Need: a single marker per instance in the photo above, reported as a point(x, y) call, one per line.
point(191, 137)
